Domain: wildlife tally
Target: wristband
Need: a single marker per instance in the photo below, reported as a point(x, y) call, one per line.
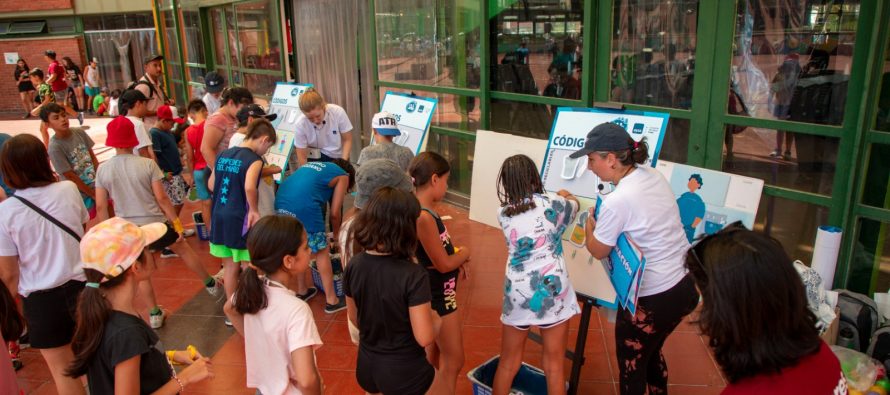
point(193, 352)
point(170, 357)
point(177, 226)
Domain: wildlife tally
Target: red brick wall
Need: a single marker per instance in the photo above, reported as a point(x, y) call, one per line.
point(34, 5)
point(32, 51)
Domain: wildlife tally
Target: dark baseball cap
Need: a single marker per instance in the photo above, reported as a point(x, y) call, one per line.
point(214, 82)
point(255, 111)
point(605, 137)
point(153, 57)
point(49, 52)
point(132, 96)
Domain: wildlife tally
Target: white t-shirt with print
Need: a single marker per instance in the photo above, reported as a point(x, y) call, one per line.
point(270, 335)
point(644, 207)
point(141, 133)
point(327, 136)
point(48, 256)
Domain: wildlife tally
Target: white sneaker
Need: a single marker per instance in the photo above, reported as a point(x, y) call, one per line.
point(216, 290)
point(156, 321)
point(188, 232)
point(228, 322)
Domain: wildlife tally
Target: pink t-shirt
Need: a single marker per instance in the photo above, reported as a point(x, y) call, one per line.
point(270, 335)
point(228, 124)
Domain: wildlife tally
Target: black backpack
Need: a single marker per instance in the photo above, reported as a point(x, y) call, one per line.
point(143, 81)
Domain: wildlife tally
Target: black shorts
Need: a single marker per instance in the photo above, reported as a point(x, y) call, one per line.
point(26, 87)
point(165, 241)
point(393, 374)
point(50, 314)
point(443, 287)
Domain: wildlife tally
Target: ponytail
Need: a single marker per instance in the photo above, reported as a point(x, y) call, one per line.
point(93, 311)
point(636, 154)
point(269, 241)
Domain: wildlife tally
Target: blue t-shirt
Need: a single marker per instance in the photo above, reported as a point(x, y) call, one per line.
point(229, 215)
point(9, 191)
point(303, 194)
point(164, 145)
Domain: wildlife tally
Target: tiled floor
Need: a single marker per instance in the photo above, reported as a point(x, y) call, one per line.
point(197, 319)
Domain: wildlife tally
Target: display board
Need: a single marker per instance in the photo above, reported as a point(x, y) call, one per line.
point(286, 104)
point(570, 128)
point(414, 114)
point(490, 152)
point(709, 200)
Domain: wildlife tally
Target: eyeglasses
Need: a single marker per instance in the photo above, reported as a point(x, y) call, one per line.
point(698, 246)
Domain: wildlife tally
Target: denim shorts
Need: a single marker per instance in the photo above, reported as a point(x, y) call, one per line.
point(201, 177)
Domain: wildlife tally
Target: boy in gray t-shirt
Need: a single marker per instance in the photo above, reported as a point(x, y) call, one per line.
point(385, 129)
point(71, 154)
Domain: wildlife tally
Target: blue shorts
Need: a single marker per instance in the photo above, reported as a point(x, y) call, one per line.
point(318, 241)
point(201, 177)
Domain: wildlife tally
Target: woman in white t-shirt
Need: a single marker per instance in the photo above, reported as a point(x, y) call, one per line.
point(644, 209)
point(40, 259)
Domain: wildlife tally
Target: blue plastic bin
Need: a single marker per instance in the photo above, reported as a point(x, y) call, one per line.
point(338, 275)
point(200, 226)
point(529, 380)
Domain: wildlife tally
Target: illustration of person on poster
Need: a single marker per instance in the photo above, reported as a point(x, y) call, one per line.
point(692, 207)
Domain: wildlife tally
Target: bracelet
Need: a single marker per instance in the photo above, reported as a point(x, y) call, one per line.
point(177, 226)
point(178, 381)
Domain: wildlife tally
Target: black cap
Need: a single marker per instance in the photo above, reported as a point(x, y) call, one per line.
point(605, 137)
point(49, 52)
point(132, 96)
point(214, 82)
point(152, 57)
point(254, 110)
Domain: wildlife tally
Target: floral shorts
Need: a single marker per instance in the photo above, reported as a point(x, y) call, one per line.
point(318, 241)
point(176, 189)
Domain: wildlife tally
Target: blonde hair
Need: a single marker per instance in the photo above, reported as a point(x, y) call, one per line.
point(311, 100)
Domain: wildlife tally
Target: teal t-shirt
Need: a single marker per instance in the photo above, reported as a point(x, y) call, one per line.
point(305, 191)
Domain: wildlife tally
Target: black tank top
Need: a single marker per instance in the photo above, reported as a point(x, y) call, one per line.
point(422, 257)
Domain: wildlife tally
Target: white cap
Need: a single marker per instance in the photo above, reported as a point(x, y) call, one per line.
point(385, 124)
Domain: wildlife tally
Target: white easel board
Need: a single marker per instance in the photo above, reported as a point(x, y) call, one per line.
point(286, 104)
point(414, 114)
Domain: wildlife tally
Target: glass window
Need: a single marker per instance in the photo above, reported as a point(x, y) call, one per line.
point(882, 122)
point(459, 152)
point(260, 84)
point(521, 118)
point(653, 52)
point(431, 42)
point(194, 41)
point(170, 42)
point(792, 59)
point(870, 266)
point(877, 177)
point(791, 222)
point(219, 36)
point(258, 35)
point(452, 111)
point(231, 37)
point(537, 50)
point(675, 147)
point(786, 159)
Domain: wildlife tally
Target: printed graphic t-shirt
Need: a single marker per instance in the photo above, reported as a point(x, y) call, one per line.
point(127, 336)
point(73, 154)
point(819, 373)
point(230, 205)
point(537, 290)
point(303, 194)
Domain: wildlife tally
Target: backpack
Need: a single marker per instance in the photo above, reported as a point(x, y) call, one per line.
point(879, 346)
point(859, 319)
point(143, 81)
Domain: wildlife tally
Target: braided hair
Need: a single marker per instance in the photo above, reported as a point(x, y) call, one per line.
point(518, 181)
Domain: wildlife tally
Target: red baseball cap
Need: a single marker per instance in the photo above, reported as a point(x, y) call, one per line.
point(121, 133)
point(167, 112)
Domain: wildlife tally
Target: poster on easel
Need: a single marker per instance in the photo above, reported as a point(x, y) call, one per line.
point(286, 104)
point(414, 114)
point(592, 277)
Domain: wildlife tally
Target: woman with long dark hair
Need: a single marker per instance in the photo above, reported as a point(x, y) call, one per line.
point(26, 88)
point(642, 207)
point(75, 82)
point(755, 313)
point(40, 259)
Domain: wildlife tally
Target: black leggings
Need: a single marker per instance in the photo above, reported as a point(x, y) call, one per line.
point(639, 338)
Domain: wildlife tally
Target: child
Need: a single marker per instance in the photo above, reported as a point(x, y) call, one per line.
point(71, 153)
point(133, 106)
point(236, 176)
point(99, 101)
point(197, 111)
point(45, 96)
point(266, 191)
point(537, 290)
point(280, 336)
point(386, 128)
point(443, 261)
point(112, 346)
point(166, 148)
point(113, 103)
point(135, 185)
point(304, 195)
point(388, 297)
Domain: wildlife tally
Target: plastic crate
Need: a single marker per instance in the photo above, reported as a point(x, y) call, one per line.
point(529, 380)
point(338, 275)
point(200, 226)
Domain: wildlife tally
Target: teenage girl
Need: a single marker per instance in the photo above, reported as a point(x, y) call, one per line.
point(388, 297)
point(537, 290)
point(642, 207)
point(280, 336)
point(443, 261)
point(236, 177)
point(113, 346)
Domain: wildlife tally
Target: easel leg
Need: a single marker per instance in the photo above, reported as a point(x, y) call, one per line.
point(581, 342)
